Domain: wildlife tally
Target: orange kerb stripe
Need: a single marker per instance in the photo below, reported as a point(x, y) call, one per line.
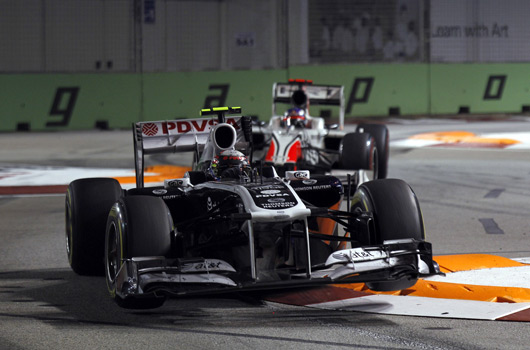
point(464, 262)
point(461, 137)
point(163, 172)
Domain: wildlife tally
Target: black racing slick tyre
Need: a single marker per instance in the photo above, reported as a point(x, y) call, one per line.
point(137, 226)
point(381, 135)
point(87, 206)
point(397, 215)
point(358, 151)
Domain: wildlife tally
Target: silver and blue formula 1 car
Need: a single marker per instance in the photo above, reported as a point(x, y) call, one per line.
point(249, 231)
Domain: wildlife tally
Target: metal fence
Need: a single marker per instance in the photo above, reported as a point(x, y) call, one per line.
point(41, 36)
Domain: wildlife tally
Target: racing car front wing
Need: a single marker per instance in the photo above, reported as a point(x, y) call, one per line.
point(391, 261)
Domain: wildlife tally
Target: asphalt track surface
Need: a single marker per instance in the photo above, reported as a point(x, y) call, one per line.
point(462, 191)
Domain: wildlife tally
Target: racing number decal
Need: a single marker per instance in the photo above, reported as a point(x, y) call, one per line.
point(360, 92)
point(494, 87)
point(63, 105)
point(220, 99)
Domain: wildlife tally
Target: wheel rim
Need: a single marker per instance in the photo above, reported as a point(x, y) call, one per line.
point(112, 255)
point(375, 165)
point(69, 229)
point(373, 173)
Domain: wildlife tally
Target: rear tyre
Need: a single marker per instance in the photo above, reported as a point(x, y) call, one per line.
point(381, 136)
point(397, 215)
point(358, 151)
point(137, 226)
point(87, 206)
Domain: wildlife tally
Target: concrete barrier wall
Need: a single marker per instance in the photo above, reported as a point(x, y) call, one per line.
point(39, 102)
point(68, 101)
point(479, 88)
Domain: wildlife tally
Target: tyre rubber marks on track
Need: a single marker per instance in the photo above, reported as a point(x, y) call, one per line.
point(491, 227)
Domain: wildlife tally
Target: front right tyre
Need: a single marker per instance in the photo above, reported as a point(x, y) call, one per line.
point(137, 226)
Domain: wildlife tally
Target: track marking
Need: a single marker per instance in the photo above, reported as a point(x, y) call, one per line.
point(494, 193)
point(429, 307)
point(491, 227)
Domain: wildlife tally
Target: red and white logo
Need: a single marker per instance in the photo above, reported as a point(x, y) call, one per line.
point(149, 129)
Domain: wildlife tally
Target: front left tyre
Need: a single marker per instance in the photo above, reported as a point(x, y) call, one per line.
point(87, 206)
point(397, 215)
point(137, 226)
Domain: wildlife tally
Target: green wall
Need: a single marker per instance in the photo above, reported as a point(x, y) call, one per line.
point(39, 102)
point(483, 88)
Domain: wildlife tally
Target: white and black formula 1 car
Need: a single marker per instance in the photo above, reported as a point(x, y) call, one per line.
point(253, 231)
point(296, 140)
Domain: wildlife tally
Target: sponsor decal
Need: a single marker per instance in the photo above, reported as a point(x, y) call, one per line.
point(277, 205)
point(273, 195)
point(184, 126)
point(173, 196)
point(310, 188)
point(360, 254)
point(300, 175)
point(297, 175)
point(207, 265)
point(149, 129)
point(270, 191)
point(268, 187)
point(175, 183)
point(209, 204)
point(276, 200)
point(309, 182)
point(159, 192)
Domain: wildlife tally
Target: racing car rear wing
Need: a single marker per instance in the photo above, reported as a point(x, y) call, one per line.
point(329, 95)
point(184, 135)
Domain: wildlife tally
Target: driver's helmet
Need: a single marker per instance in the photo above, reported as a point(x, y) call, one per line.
point(294, 116)
point(229, 164)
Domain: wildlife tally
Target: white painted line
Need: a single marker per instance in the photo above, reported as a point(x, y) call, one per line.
point(523, 137)
point(422, 306)
point(518, 277)
point(414, 143)
point(46, 176)
point(49, 176)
